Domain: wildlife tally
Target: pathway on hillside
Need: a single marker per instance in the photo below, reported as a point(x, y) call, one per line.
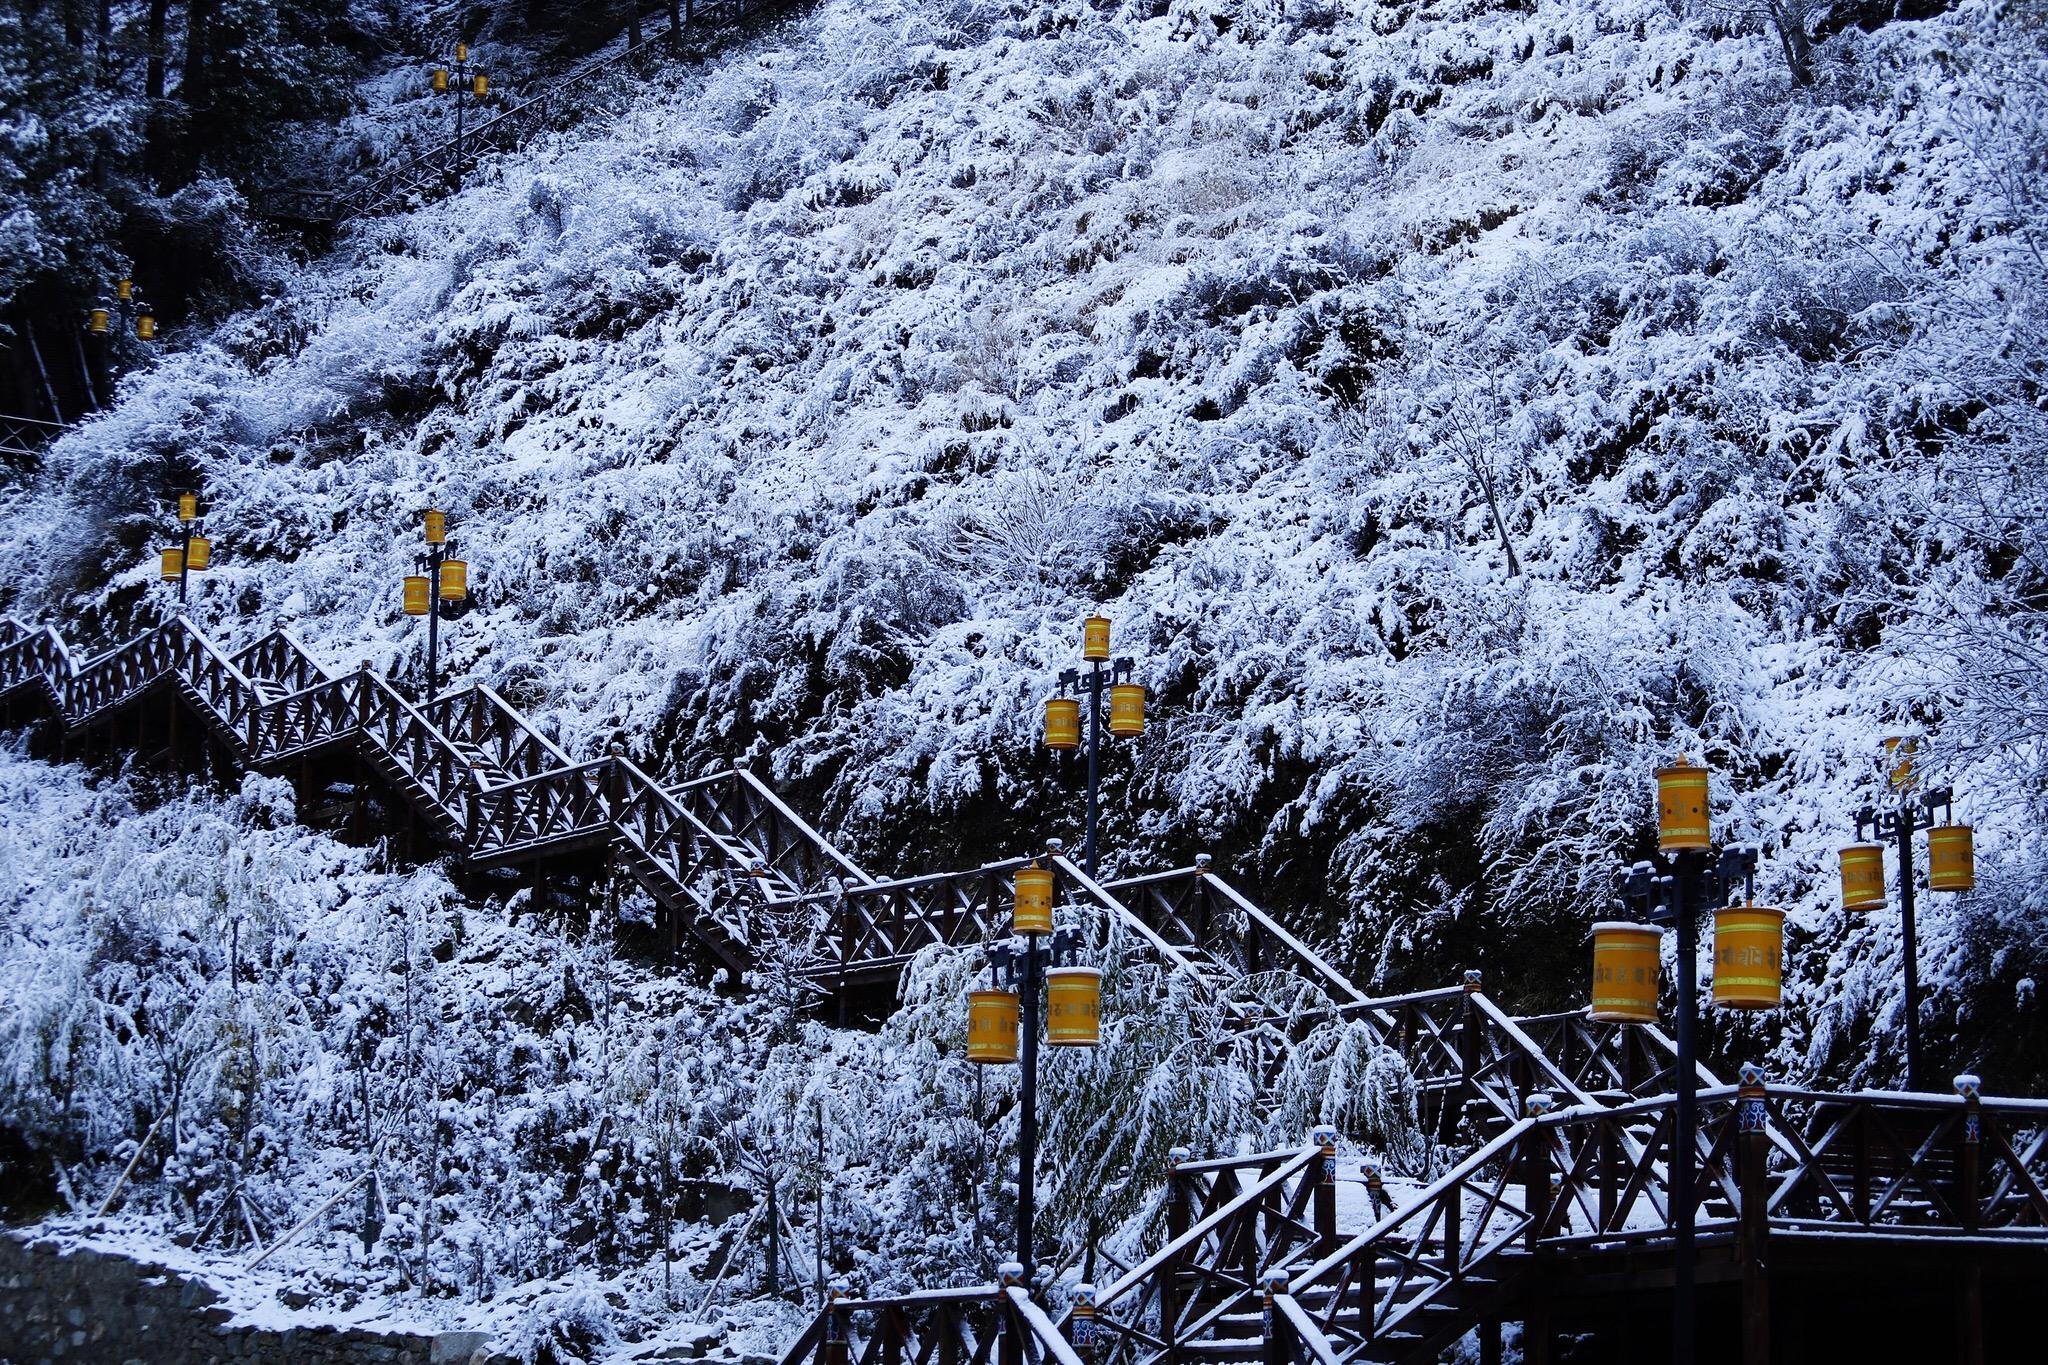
point(439, 169)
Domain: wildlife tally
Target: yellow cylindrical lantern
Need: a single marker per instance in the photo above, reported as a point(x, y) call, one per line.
point(1127, 710)
point(1062, 723)
point(1095, 638)
point(462, 52)
point(1951, 858)
point(188, 507)
point(1749, 948)
point(145, 327)
point(198, 554)
point(440, 81)
point(437, 527)
point(1863, 877)
point(96, 322)
point(173, 565)
point(1898, 761)
point(124, 290)
point(992, 1026)
point(480, 85)
point(1682, 807)
point(1033, 914)
point(416, 588)
point(1073, 1006)
point(1625, 971)
point(454, 580)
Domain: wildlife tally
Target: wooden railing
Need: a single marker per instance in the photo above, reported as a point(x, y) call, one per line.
point(983, 1325)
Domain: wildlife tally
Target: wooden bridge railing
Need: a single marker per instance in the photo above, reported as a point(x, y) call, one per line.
point(981, 1325)
point(27, 435)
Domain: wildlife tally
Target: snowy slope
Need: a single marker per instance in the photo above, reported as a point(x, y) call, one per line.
point(1460, 409)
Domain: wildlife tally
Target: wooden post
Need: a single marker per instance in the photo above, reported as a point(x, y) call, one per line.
point(1969, 1178)
point(1081, 1330)
point(1752, 1151)
point(1010, 1274)
point(1489, 1342)
point(1326, 1190)
point(1536, 1171)
point(1276, 1332)
point(1177, 1224)
point(838, 1324)
point(1468, 1058)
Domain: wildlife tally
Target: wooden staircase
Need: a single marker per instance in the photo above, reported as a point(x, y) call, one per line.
point(439, 169)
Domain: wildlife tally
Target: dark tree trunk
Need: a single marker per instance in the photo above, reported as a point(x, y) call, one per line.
point(198, 35)
point(159, 13)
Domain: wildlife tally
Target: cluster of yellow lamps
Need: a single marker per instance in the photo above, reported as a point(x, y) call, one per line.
point(194, 553)
point(1748, 939)
point(1073, 995)
point(1126, 699)
point(479, 83)
point(99, 320)
point(453, 574)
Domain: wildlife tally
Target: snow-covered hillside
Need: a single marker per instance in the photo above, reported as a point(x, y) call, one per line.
point(1460, 408)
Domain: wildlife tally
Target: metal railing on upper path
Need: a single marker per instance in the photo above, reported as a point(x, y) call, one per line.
point(26, 436)
point(434, 171)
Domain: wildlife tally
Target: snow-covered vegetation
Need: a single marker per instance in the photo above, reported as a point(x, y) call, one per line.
point(1461, 408)
point(218, 1023)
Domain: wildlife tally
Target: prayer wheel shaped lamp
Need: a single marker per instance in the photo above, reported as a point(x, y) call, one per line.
point(1682, 807)
point(145, 325)
point(96, 322)
point(440, 80)
point(479, 85)
point(461, 52)
point(1951, 858)
point(1126, 710)
point(416, 589)
point(172, 566)
point(454, 580)
point(1863, 877)
point(1095, 639)
point(188, 507)
point(199, 554)
point(1625, 971)
point(437, 527)
point(992, 1026)
point(1033, 914)
point(1898, 761)
point(1062, 723)
point(1073, 1016)
point(124, 290)
point(1749, 957)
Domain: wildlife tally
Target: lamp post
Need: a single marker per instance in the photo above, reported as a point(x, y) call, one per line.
point(1019, 968)
point(126, 303)
point(1672, 887)
point(440, 590)
point(1951, 866)
point(192, 554)
point(464, 82)
point(1063, 716)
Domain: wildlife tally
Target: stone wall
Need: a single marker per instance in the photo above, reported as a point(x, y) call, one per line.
point(72, 1306)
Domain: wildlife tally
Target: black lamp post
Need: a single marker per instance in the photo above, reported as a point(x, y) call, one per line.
point(1951, 858)
point(464, 82)
point(192, 554)
point(440, 590)
point(1126, 717)
point(1019, 970)
point(1675, 886)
